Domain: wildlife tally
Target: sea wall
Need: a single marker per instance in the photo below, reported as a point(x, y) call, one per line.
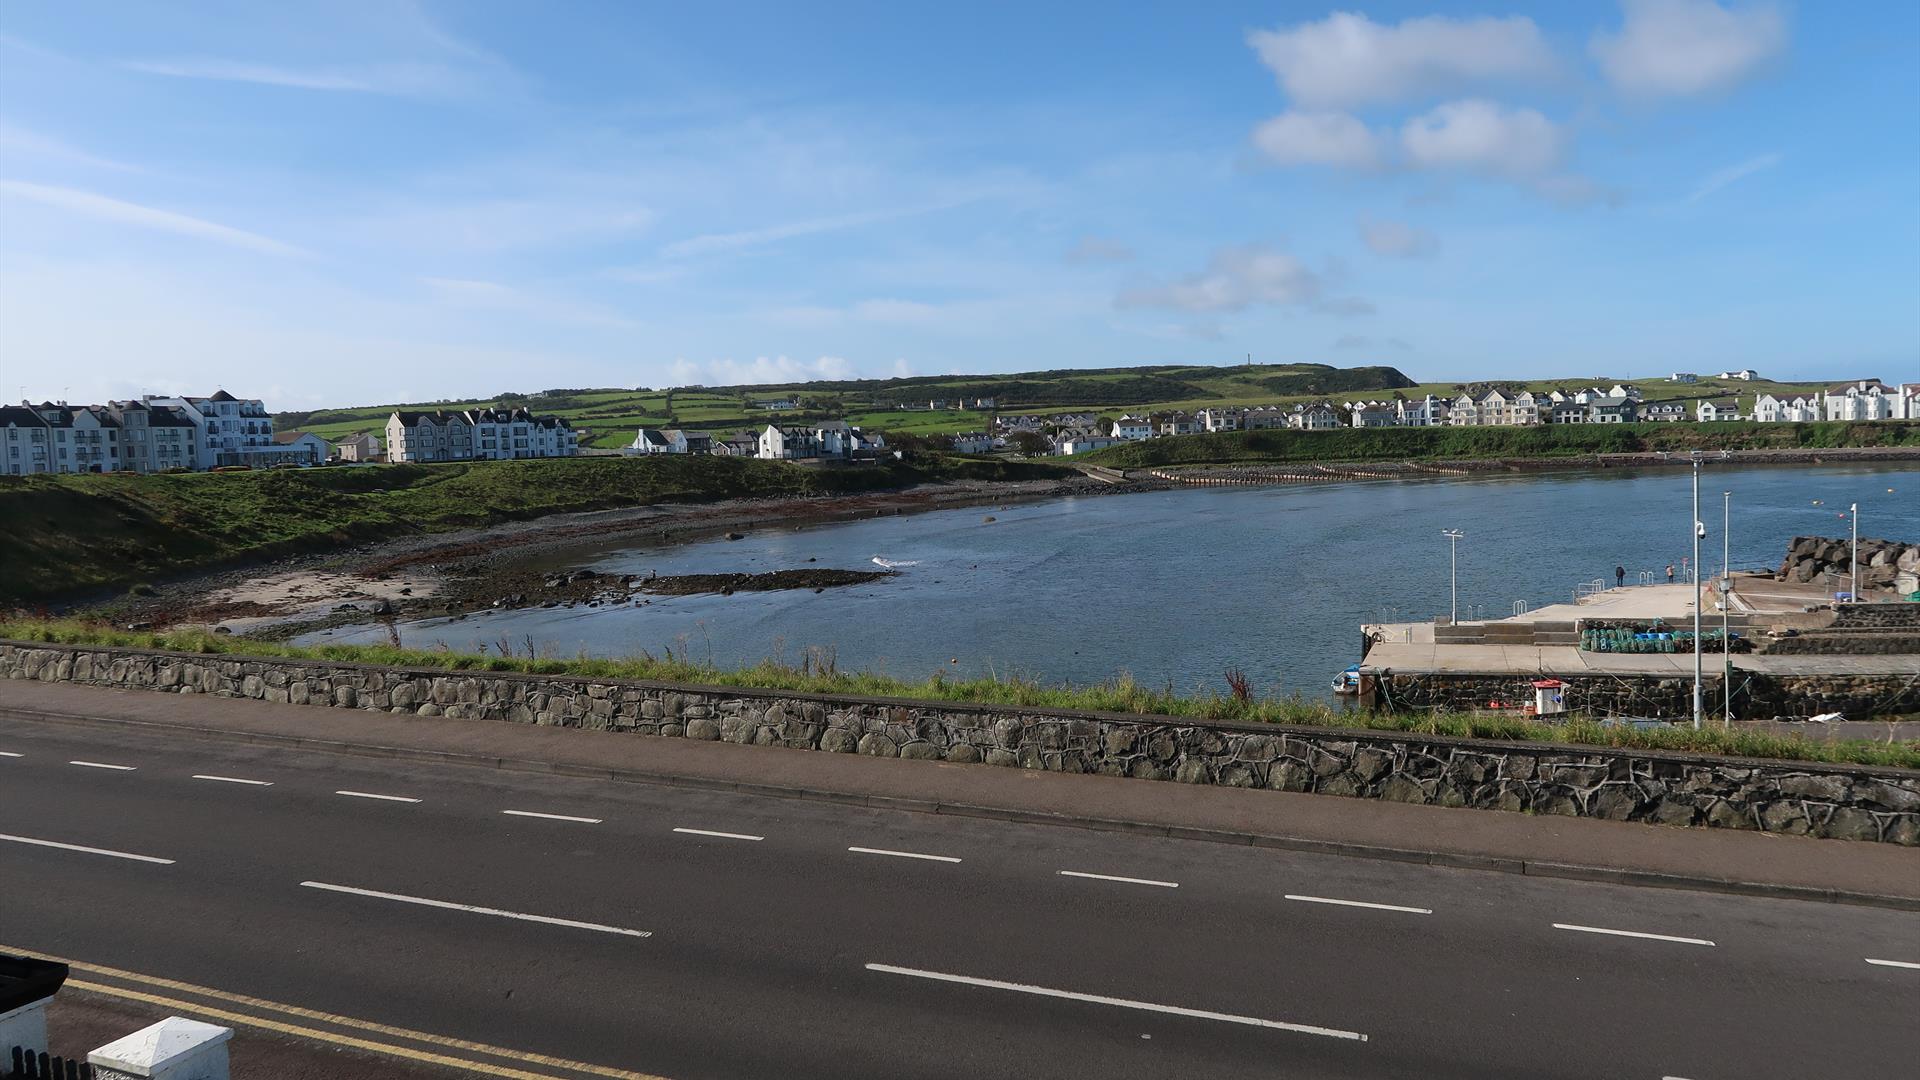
point(1846, 802)
point(1757, 695)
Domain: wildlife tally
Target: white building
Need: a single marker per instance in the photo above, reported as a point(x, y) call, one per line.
point(301, 448)
point(1867, 399)
point(1132, 428)
point(1370, 414)
point(1786, 410)
point(1713, 410)
point(1217, 419)
point(1683, 377)
point(1744, 374)
point(972, 442)
point(648, 441)
point(1080, 444)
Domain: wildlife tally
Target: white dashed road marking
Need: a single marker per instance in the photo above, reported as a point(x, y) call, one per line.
point(1894, 963)
point(86, 850)
point(1632, 934)
point(371, 795)
point(1120, 1003)
point(102, 765)
point(903, 854)
point(9, 753)
point(1361, 904)
point(234, 780)
point(552, 817)
point(449, 905)
point(721, 835)
point(1127, 880)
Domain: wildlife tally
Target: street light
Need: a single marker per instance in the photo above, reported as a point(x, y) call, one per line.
point(1853, 559)
point(1699, 532)
point(1454, 535)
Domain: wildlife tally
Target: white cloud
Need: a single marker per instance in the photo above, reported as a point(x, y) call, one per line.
point(1348, 59)
point(1397, 239)
point(1096, 249)
point(781, 369)
point(440, 224)
point(1483, 136)
point(1240, 277)
point(1676, 48)
point(1714, 181)
point(1318, 138)
point(102, 208)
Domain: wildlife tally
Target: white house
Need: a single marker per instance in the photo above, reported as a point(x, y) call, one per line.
point(1744, 374)
point(777, 403)
point(1369, 414)
point(648, 441)
point(1426, 412)
point(1769, 409)
point(1132, 428)
point(788, 443)
point(1867, 399)
point(1711, 410)
point(1664, 412)
point(477, 435)
point(1683, 377)
point(972, 442)
point(1907, 402)
point(1080, 444)
point(1218, 419)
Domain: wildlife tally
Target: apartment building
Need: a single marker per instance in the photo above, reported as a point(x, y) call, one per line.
point(1865, 399)
point(477, 435)
point(124, 435)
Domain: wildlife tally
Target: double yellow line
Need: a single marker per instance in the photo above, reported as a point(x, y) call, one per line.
point(568, 1070)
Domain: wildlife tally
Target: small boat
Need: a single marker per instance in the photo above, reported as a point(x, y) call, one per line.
point(1348, 681)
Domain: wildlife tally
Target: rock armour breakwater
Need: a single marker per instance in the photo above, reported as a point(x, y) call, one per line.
point(1845, 802)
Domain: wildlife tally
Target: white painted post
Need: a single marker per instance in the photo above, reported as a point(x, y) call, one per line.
point(173, 1049)
point(25, 1027)
point(1699, 528)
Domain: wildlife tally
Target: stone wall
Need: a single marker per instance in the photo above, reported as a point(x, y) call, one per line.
point(1757, 695)
point(1848, 802)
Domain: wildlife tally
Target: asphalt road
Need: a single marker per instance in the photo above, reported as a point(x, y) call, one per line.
point(819, 940)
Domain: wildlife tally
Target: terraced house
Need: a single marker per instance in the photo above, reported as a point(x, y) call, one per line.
point(477, 435)
point(122, 435)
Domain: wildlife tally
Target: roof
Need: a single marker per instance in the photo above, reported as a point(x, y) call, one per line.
point(222, 395)
point(169, 416)
point(285, 438)
point(20, 416)
point(1863, 385)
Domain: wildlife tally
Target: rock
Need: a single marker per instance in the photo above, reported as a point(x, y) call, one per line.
point(705, 729)
point(1825, 788)
point(874, 744)
point(964, 753)
point(1402, 789)
point(1849, 823)
point(1888, 795)
point(998, 756)
point(735, 536)
point(1192, 771)
point(1289, 776)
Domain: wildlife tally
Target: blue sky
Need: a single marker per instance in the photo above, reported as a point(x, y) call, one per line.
point(341, 204)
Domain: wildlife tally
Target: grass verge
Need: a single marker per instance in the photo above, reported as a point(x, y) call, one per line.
point(1120, 695)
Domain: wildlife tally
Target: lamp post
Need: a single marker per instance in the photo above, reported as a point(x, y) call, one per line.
point(1454, 536)
point(1853, 556)
point(1699, 530)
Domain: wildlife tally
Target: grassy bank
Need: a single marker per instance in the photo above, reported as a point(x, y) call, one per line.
point(1121, 695)
point(67, 533)
point(1470, 443)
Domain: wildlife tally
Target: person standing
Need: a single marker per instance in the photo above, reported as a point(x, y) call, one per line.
point(1619, 576)
point(1669, 573)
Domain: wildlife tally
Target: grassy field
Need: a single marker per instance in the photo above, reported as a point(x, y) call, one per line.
point(71, 532)
point(1461, 443)
point(1120, 695)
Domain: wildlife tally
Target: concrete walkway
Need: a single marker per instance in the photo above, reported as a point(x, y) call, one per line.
point(1628, 853)
point(1569, 660)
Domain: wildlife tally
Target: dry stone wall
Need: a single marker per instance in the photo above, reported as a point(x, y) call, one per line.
point(1847, 802)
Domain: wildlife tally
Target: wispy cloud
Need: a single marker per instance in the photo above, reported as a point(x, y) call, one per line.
point(20, 141)
point(400, 80)
point(1733, 174)
point(102, 208)
point(714, 243)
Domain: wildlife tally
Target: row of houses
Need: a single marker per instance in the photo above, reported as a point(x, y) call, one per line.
point(827, 440)
point(477, 435)
point(155, 433)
